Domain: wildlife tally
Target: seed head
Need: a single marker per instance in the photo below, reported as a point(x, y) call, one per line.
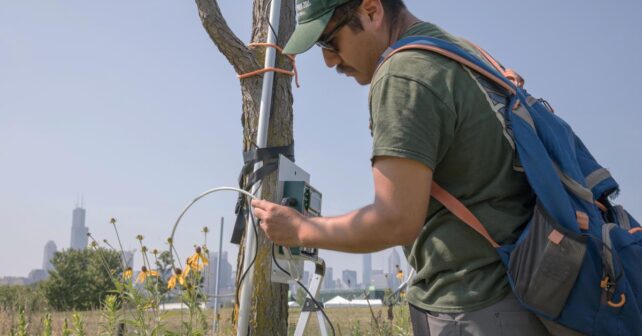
point(139, 237)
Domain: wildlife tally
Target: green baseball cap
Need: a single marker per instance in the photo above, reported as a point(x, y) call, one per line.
point(312, 16)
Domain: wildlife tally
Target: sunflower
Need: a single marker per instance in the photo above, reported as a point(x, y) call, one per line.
point(177, 276)
point(144, 273)
point(194, 261)
point(128, 273)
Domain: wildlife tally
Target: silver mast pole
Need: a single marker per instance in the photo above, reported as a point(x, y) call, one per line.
point(218, 277)
point(261, 141)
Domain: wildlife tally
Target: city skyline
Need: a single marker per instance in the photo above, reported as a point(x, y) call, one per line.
point(79, 240)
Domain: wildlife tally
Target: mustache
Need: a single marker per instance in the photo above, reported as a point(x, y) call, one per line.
point(342, 69)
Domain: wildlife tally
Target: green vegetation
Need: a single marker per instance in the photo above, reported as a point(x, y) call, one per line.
point(92, 292)
point(81, 279)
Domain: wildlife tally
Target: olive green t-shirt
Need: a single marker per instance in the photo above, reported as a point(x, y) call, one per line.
point(428, 108)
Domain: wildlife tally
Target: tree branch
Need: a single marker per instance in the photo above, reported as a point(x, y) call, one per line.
point(240, 56)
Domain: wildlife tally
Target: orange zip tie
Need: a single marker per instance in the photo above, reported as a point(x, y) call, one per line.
point(293, 73)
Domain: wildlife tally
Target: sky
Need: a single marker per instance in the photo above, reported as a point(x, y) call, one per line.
point(131, 105)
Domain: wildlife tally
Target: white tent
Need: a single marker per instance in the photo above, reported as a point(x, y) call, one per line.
point(339, 301)
point(336, 301)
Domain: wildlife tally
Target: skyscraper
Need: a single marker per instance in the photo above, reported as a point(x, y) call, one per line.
point(78, 229)
point(394, 264)
point(349, 278)
point(128, 258)
point(210, 273)
point(328, 281)
point(367, 270)
point(50, 250)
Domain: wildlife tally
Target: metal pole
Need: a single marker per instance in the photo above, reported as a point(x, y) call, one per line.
point(218, 277)
point(261, 141)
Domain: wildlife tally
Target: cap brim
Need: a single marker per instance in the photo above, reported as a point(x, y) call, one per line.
point(307, 34)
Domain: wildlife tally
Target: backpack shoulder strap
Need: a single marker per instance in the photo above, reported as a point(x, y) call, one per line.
point(456, 53)
point(457, 208)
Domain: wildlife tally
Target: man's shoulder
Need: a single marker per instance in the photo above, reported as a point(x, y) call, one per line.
point(415, 64)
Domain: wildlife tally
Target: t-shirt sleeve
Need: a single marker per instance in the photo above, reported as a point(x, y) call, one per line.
point(410, 121)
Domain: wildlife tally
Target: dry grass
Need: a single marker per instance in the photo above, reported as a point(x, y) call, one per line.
point(346, 321)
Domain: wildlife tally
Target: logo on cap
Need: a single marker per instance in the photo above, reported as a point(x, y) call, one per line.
point(301, 7)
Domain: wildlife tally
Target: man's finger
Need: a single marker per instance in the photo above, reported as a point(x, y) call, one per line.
point(258, 203)
point(258, 212)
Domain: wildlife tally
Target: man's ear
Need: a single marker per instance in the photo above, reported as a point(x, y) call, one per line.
point(373, 12)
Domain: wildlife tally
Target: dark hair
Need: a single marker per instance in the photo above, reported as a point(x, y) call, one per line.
point(349, 9)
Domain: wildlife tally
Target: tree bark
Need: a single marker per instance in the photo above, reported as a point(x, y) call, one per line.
point(269, 309)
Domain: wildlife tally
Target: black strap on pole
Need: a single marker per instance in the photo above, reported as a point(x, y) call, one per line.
point(269, 156)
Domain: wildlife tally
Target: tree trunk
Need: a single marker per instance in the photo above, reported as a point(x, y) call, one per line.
point(269, 309)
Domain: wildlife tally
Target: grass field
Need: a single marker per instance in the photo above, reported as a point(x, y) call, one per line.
point(346, 321)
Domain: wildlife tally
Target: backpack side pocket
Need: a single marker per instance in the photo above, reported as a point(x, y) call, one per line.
point(544, 264)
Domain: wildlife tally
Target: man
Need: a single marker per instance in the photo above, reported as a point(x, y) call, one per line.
point(431, 118)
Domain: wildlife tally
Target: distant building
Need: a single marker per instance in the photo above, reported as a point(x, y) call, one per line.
point(349, 278)
point(225, 280)
point(37, 275)
point(129, 258)
point(367, 270)
point(78, 229)
point(328, 280)
point(50, 250)
point(394, 264)
point(13, 280)
point(379, 279)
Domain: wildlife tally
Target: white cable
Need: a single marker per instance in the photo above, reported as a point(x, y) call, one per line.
point(211, 191)
point(404, 284)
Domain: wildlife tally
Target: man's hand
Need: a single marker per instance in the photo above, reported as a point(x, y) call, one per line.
point(280, 223)
point(402, 193)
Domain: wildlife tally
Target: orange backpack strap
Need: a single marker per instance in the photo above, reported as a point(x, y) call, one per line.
point(460, 211)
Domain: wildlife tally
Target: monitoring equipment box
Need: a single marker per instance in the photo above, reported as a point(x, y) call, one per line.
point(294, 190)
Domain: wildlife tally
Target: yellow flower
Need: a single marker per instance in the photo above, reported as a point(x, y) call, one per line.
point(144, 273)
point(177, 276)
point(128, 273)
point(400, 275)
point(194, 261)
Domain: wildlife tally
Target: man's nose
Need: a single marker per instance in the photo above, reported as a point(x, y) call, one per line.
point(331, 58)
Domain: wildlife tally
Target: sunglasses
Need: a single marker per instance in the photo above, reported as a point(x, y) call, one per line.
point(325, 42)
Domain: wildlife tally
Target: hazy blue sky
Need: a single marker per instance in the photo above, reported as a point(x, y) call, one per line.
point(131, 104)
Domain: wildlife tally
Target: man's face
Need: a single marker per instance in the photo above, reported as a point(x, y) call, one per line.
point(353, 53)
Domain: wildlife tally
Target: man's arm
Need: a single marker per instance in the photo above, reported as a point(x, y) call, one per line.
point(402, 192)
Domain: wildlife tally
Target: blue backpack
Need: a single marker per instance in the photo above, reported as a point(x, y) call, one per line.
point(577, 262)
